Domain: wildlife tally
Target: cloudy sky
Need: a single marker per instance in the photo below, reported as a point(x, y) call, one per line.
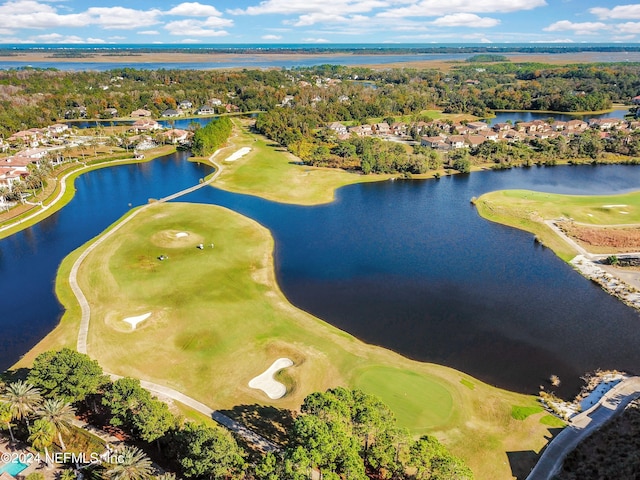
point(317, 21)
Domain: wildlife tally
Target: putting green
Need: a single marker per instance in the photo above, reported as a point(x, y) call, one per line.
point(218, 319)
point(415, 399)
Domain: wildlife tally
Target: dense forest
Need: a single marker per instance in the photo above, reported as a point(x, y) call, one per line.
point(34, 97)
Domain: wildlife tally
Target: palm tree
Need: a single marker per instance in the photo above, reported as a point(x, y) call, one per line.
point(59, 413)
point(5, 418)
point(23, 399)
point(41, 435)
point(133, 464)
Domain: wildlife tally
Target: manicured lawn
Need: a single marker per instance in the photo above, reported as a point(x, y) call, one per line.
point(527, 210)
point(269, 171)
point(218, 319)
point(421, 403)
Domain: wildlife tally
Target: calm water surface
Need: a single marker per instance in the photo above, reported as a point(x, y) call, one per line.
point(408, 265)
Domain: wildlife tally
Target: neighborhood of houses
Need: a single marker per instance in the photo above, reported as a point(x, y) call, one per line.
point(446, 136)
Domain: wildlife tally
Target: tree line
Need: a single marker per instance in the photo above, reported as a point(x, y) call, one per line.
point(340, 434)
point(209, 138)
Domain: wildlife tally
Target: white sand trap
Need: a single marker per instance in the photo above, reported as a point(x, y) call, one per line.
point(267, 383)
point(614, 206)
point(623, 212)
point(134, 321)
point(182, 234)
point(237, 155)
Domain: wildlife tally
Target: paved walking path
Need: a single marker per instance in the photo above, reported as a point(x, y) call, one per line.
point(83, 333)
point(584, 424)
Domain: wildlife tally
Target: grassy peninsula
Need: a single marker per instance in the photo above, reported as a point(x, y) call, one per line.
point(528, 210)
point(218, 319)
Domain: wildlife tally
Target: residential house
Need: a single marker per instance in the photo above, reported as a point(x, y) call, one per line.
point(502, 127)
point(461, 129)
point(112, 112)
point(176, 135)
point(361, 130)
point(185, 105)
point(145, 125)
point(489, 135)
point(399, 128)
point(477, 126)
point(337, 127)
point(574, 126)
point(205, 110)
point(31, 138)
point(474, 140)
point(513, 136)
point(170, 112)
point(215, 101)
point(457, 141)
point(438, 143)
point(381, 128)
point(140, 113)
point(9, 176)
point(604, 123)
point(636, 100)
point(57, 129)
point(287, 100)
point(229, 107)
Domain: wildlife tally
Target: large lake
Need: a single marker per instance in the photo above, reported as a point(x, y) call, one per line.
point(408, 265)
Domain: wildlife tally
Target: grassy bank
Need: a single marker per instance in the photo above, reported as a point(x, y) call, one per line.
point(528, 210)
point(218, 319)
point(270, 172)
point(67, 175)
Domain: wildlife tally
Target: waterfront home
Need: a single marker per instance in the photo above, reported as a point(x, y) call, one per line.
point(185, 105)
point(205, 110)
point(141, 112)
point(145, 125)
point(230, 107)
point(175, 135)
point(170, 112)
point(605, 123)
point(111, 112)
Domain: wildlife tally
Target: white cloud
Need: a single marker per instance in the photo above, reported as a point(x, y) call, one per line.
point(95, 40)
point(583, 28)
point(272, 37)
point(122, 18)
point(435, 8)
point(620, 11)
point(211, 27)
point(194, 9)
point(465, 20)
point(149, 32)
point(556, 40)
point(315, 40)
point(301, 7)
point(57, 38)
point(628, 27)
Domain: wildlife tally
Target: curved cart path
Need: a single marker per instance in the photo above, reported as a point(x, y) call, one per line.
point(584, 424)
point(248, 435)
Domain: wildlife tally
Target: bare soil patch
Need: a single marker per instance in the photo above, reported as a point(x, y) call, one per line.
point(603, 239)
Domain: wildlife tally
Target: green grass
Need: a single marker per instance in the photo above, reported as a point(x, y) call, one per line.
point(415, 399)
point(552, 421)
point(467, 383)
point(527, 210)
point(269, 171)
point(218, 319)
point(520, 413)
point(75, 171)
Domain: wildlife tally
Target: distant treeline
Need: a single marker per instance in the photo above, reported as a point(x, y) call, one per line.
point(351, 48)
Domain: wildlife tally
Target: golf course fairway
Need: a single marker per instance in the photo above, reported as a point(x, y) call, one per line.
point(210, 317)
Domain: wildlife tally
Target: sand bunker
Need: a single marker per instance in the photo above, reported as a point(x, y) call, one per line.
point(134, 321)
point(267, 383)
point(238, 155)
point(614, 206)
point(176, 239)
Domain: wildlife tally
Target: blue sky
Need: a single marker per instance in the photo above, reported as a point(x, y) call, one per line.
point(317, 21)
